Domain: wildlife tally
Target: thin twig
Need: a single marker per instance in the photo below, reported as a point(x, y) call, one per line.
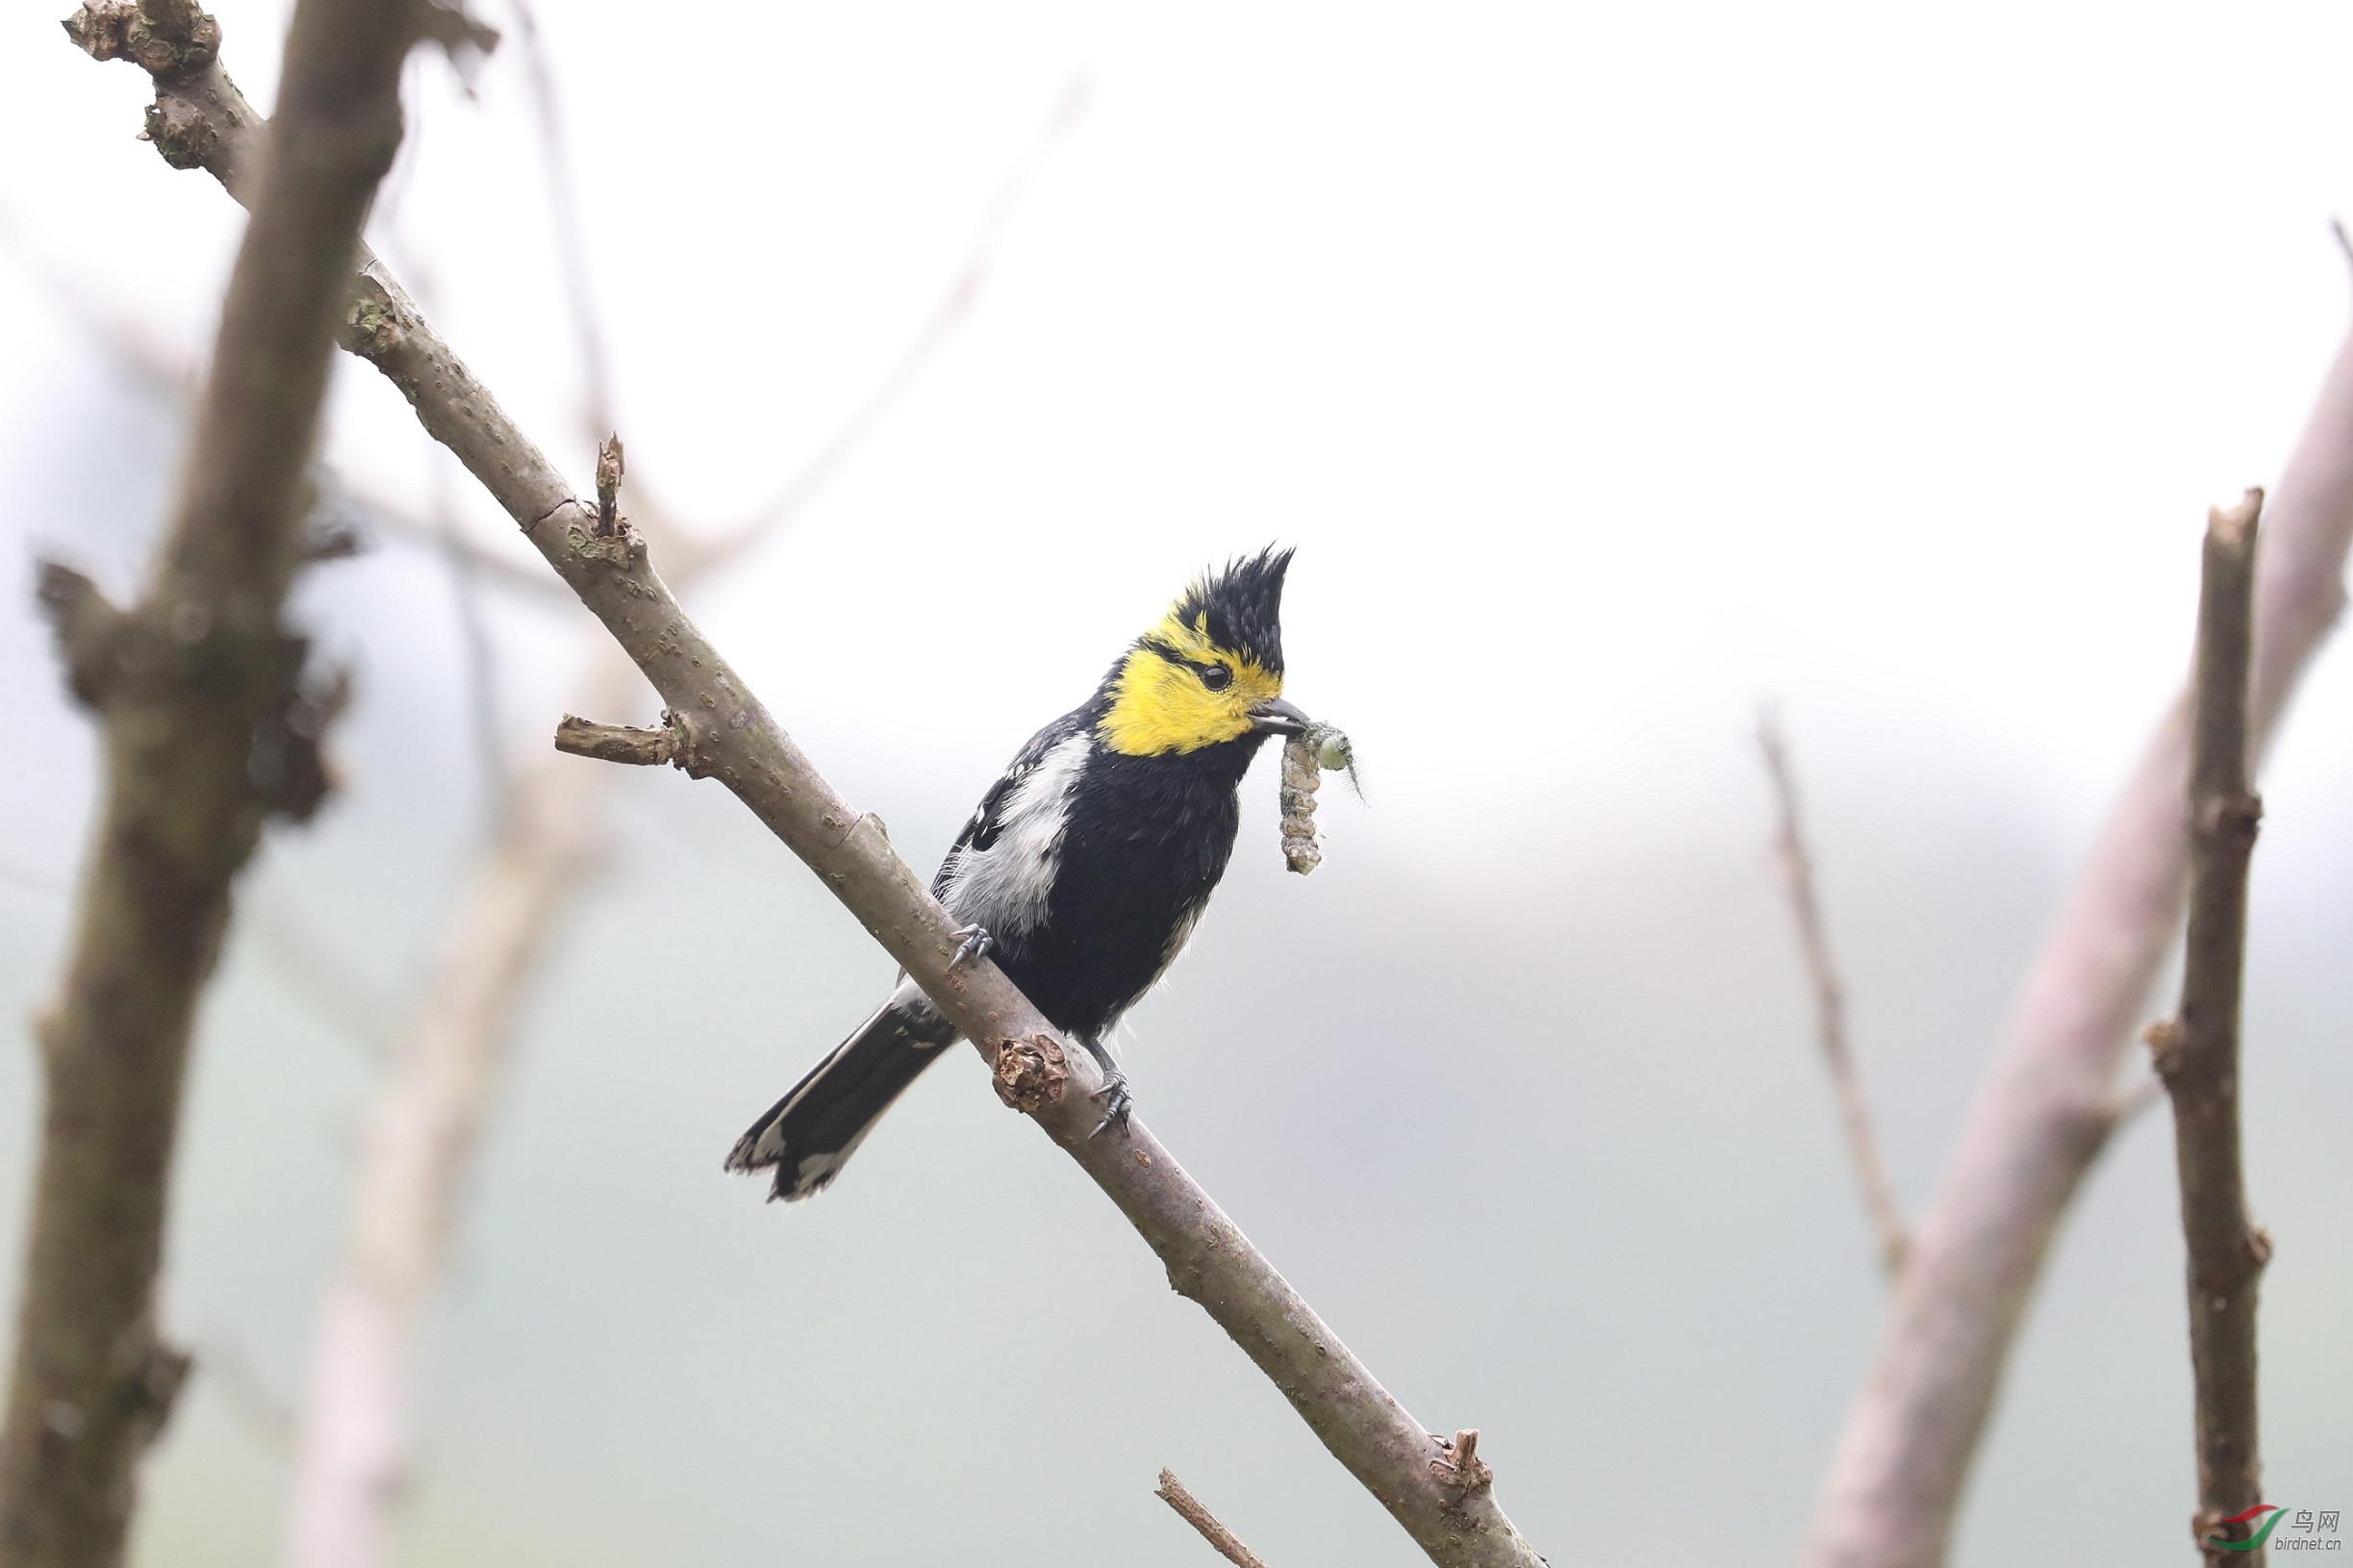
point(211, 729)
point(1172, 1492)
point(1796, 860)
point(729, 735)
point(2197, 1056)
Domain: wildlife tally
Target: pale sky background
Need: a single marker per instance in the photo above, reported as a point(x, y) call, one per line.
point(1614, 369)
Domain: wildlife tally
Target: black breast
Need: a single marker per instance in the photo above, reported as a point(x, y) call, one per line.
point(1144, 844)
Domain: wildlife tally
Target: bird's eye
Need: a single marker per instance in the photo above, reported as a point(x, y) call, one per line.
point(1216, 677)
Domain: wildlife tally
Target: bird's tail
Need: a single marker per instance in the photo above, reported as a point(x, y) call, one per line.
point(810, 1134)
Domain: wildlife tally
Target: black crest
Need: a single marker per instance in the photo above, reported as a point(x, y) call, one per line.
point(1240, 606)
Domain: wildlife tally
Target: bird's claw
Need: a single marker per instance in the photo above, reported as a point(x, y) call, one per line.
point(977, 945)
point(1118, 1102)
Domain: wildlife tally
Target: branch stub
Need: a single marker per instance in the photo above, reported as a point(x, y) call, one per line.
point(1030, 1073)
point(1459, 1469)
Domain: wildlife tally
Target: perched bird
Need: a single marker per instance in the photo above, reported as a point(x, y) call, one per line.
point(1085, 866)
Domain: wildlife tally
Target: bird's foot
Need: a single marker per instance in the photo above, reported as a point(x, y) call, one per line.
point(1118, 1102)
point(977, 945)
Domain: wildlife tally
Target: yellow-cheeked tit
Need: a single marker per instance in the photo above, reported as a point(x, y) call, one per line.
point(1086, 865)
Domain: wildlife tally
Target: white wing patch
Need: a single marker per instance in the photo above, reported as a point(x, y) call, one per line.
point(1003, 888)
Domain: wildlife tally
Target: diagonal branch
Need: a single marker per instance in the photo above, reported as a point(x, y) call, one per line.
point(2048, 1103)
point(2197, 1055)
point(726, 733)
point(440, 1090)
point(1829, 1000)
point(209, 731)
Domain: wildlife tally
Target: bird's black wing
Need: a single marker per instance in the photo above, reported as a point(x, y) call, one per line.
point(988, 818)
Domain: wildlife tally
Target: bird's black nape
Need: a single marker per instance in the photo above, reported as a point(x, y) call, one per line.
point(1240, 606)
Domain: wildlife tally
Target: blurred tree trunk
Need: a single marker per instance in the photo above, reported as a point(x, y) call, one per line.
point(210, 730)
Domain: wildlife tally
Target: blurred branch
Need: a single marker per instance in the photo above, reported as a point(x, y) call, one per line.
point(481, 656)
point(47, 887)
point(268, 1419)
point(489, 568)
point(424, 1123)
point(129, 344)
point(691, 558)
point(2197, 1055)
point(694, 559)
point(1172, 1492)
point(2048, 1103)
point(1830, 1000)
point(317, 974)
point(2138, 1100)
point(209, 732)
point(598, 411)
point(344, 515)
point(727, 734)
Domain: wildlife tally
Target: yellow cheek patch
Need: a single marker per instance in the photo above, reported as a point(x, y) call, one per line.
point(1161, 705)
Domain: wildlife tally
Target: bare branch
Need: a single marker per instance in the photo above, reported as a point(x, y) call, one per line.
point(1829, 1000)
point(209, 732)
point(733, 738)
point(2197, 1056)
point(1172, 1492)
point(2047, 1104)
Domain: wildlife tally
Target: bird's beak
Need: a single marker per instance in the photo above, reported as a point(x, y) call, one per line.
point(1275, 717)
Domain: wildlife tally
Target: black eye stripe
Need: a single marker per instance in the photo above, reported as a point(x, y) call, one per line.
point(1215, 676)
